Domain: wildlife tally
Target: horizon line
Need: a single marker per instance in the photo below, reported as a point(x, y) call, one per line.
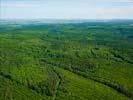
point(66, 18)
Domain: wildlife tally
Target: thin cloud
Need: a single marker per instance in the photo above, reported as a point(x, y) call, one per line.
point(67, 9)
point(120, 1)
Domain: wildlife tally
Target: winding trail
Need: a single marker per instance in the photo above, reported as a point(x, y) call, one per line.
point(57, 85)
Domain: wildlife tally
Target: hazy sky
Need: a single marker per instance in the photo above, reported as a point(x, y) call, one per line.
point(66, 9)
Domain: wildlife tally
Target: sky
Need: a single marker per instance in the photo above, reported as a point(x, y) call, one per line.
point(66, 9)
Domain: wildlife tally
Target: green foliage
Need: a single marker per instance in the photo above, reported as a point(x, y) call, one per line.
point(88, 61)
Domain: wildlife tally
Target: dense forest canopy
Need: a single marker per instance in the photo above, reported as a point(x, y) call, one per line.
point(77, 60)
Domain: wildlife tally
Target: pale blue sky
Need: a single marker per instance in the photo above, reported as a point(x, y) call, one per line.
point(66, 9)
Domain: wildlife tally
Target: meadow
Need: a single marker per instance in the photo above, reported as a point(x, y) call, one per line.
point(66, 61)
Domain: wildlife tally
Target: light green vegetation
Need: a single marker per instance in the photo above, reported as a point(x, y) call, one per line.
point(74, 87)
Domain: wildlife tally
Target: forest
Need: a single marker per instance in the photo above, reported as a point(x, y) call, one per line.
point(66, 61)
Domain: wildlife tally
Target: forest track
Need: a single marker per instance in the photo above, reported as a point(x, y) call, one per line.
point(57, 85)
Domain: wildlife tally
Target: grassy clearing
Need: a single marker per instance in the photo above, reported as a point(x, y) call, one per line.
point(73, 87)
